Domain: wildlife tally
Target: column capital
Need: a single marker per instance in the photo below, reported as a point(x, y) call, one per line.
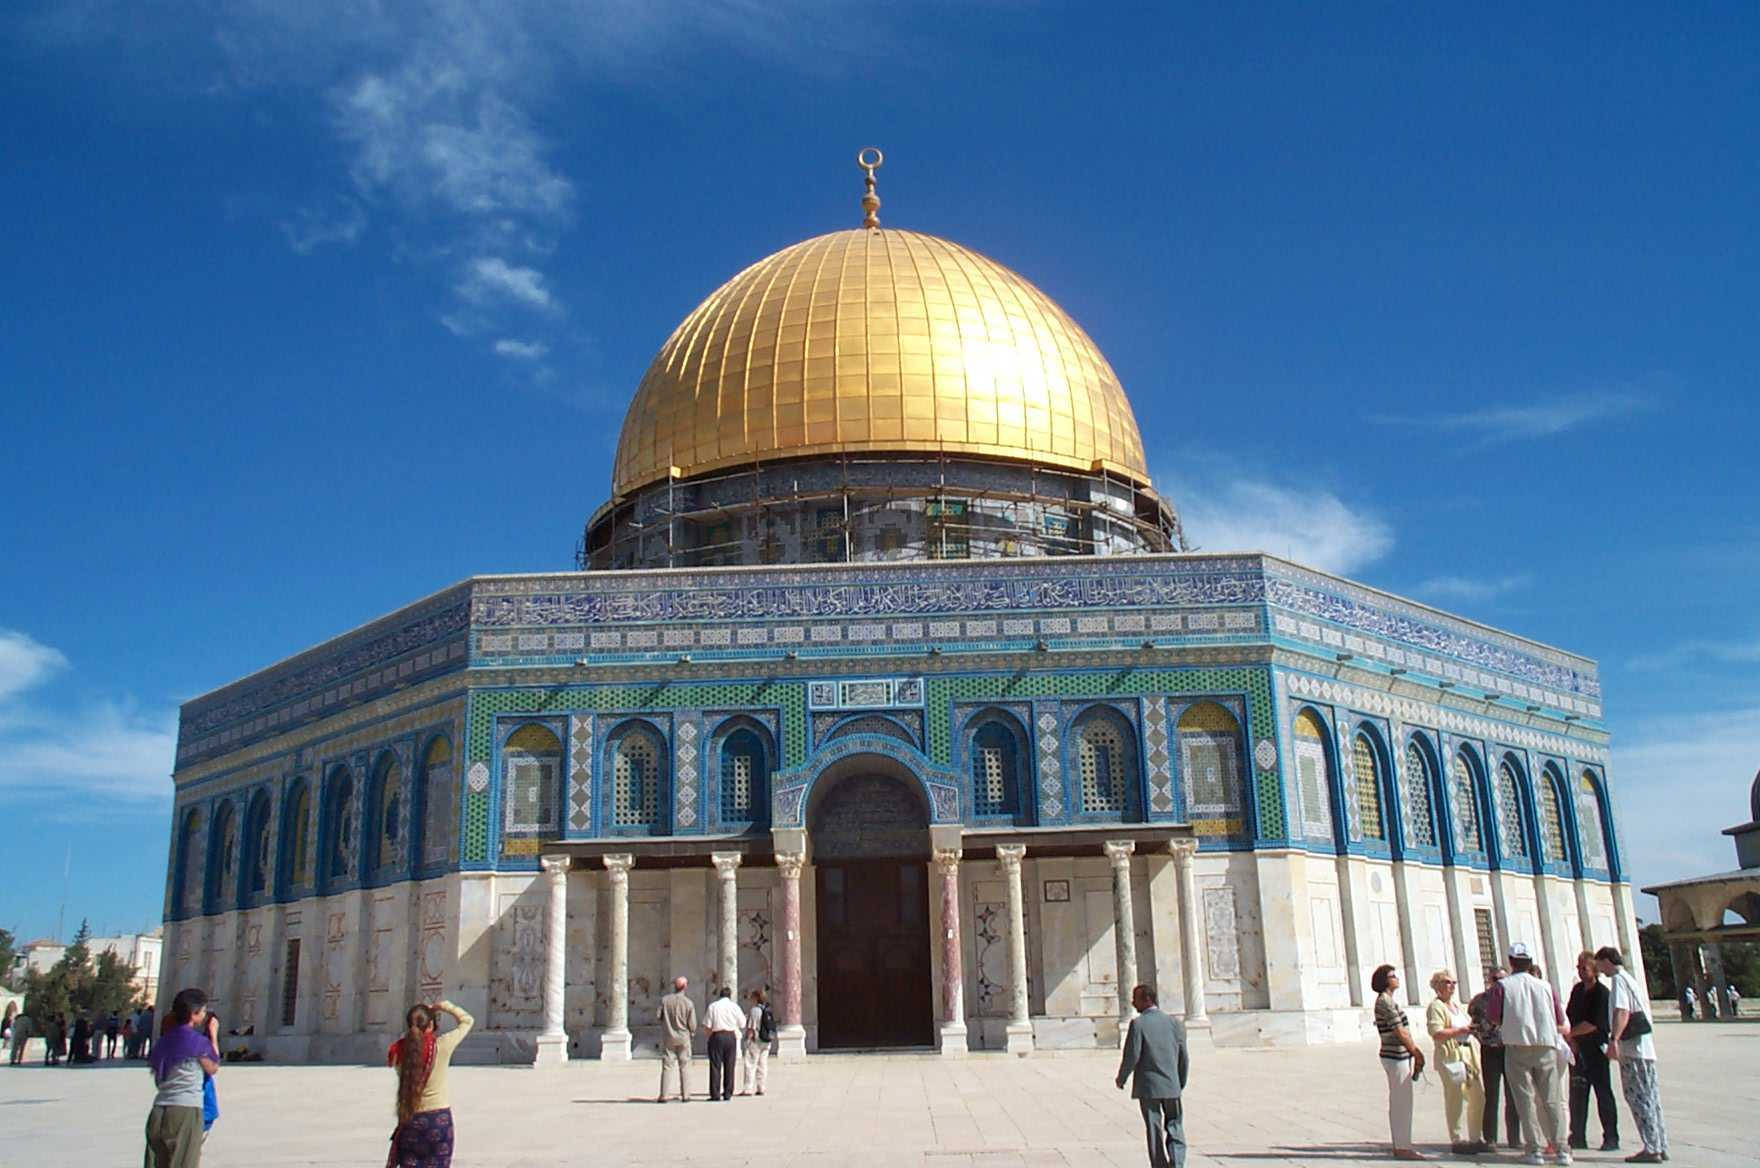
point(1119, 851)
point(1183, 850)
point(555, 865)
point(618, 866)
point(790, 864)
point(947, 859)
point(726, 863)
point(1010, 857)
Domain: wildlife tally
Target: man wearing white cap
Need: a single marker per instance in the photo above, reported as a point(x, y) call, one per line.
point(1531, 1018)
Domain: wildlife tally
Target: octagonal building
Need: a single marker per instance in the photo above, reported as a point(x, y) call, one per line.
point(886, 687)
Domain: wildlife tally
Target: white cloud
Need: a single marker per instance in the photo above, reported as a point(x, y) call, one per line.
point(521, 350)
point(1678, 781)
point(1470, 589)
point(97, 748)
point(491, 278)
point(311, 228)
point(25, 662)
point(1542, 418)
point(1311, 526)
point(1699, 652)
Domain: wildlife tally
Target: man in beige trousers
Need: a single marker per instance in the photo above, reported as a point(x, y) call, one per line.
point(1531, 1018)
point(678, 1022)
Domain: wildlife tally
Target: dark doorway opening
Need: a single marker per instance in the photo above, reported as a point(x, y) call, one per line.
point(870, 850)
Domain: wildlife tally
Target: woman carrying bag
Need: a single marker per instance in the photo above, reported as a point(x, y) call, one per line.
point(1457, 1065)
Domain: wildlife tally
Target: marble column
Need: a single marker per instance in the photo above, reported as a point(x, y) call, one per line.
point(1191, 941)
point(791, 1038)
point(553, 1040)
point(615, 1044)
point(727, 949)
point(1124, 928)
point(1719, 981)
point(1020, 1024)
point(953, 985)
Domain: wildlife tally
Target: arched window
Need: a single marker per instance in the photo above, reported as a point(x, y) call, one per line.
point(1552, 847)
point(996, 769)
point(531, 767)
point(296, 835)
point(1105, 751)
point(745, 777)
point(339, 827)
point(1210, 769)
point(388, 826)
point(636, 754)
point(1510, 833)
point(1469, 837)
point(1366, 770)
point(1313, 776)
point(1420, 815)
point(257, 845)
point(223, 859)
point(189, 857)
point(1591, 825)
point(437, 816)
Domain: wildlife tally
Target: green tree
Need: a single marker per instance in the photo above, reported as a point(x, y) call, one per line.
point(8, 953)
point(1658, 965)
point(76, 984)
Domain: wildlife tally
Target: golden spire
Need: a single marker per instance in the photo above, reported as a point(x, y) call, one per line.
point(869, 159)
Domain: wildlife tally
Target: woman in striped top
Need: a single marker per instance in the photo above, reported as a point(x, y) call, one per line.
point(1400, 1059)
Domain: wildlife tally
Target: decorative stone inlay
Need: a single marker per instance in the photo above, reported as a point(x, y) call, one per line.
point(478, 778)
point(1158, 754)
point(580, 773)
point(1265, 754)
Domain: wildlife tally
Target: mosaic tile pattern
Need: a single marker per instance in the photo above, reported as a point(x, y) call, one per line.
point(1050, 777)
point(1156, 750)
point(686, 754)
point(580, 774)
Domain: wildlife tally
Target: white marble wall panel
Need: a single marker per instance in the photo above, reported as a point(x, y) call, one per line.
point(516, 974)
point(579, 968)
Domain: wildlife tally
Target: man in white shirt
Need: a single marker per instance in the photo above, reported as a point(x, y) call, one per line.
point(1629, 1043)
point(723, 1022)
point(1531, 1019)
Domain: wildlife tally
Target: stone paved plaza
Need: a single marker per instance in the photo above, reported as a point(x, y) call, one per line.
point(1304, 1106)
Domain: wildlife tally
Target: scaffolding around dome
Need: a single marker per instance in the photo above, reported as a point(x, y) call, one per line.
point(864, 507)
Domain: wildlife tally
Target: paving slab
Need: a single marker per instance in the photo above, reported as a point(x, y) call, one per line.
point(1315, 1106)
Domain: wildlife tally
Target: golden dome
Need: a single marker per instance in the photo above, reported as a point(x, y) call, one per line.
point(876, 341)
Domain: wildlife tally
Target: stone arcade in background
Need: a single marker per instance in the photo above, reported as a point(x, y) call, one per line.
point(884, 686)
point(1696, 912)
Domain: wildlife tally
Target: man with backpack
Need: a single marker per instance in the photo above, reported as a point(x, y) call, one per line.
point(760, 1033)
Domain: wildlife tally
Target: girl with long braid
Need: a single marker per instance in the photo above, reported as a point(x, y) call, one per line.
point(423, 1136)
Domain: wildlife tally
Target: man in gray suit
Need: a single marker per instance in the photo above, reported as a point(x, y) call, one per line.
point(1155, 1052)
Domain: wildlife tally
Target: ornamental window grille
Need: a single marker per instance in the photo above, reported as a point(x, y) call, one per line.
point(743, 773)
point(830, 534)
point(389, 806)
point(1367, 772)
point(437, 816)
point(259, 844)
point(1591, 827)
point(290, 983)
point(1313, 776)
point(341, 826)
point(635, 779)
point(297, 835)
point(995, 763)
point(531, 764)
point(1552, 847)
point(1509, 813)
point(1060, 530)
point(1468, 835)
point(226, 851)
point(1210, 765)
point(190, 855)
point(1103, 760)
point(1420, 816)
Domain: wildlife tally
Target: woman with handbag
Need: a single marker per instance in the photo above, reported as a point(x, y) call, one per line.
point(1457, 1065)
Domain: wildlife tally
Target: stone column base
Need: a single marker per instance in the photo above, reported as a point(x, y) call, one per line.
point(791, 1044)
point(614, 1046)
point(1020, 1038)
point(953, 1040)
point(552, 1050)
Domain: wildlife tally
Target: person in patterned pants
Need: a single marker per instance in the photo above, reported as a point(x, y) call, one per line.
point(1629, 1008)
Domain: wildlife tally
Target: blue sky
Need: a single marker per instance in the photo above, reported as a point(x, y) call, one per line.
point(309, 310)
